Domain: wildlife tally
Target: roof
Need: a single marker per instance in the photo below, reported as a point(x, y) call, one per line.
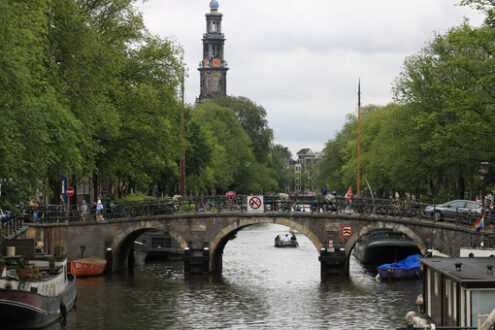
point(304, 151)
point(473, 271)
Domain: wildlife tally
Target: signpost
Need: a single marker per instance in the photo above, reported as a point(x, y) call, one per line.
point(64, 188)
point(255, 204)
point(70, 191)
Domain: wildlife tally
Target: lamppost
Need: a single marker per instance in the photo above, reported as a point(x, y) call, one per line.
point(483, 171)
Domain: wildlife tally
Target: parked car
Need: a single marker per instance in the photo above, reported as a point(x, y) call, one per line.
point(453, 209)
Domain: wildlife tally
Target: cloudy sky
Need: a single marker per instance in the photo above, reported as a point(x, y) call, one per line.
point(301, 60)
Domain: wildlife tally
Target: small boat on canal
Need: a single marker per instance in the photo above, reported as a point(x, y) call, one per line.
point(37, 293)
point(283, 243)
point(404, 269)
point(91, 266)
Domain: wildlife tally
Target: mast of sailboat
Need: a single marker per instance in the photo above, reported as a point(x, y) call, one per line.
point(182, 152)
point(359, 141)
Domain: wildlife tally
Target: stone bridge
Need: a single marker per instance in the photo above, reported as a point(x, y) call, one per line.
point(204, 236)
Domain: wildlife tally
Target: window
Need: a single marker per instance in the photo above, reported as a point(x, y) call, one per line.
point(481, 304)
point(161, 242)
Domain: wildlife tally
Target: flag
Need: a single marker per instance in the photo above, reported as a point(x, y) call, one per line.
point(478, 224)
point(348, 195)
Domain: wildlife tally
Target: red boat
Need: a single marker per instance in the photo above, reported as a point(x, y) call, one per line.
point(92, 266)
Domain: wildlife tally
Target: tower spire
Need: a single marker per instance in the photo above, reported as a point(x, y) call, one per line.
point(359, 141)
point(213, 68)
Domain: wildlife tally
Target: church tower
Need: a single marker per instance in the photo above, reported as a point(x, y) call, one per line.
point(213, 68)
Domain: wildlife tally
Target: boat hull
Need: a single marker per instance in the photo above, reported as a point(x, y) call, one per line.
point(399, 274)
point(29, 310)
point(286, 244)
point(82, 268)
point(384, 247)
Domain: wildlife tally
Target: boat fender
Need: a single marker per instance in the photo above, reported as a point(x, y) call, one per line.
point(63, 310)
point(415, 319)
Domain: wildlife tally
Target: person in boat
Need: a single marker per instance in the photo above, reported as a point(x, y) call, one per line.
point(286, 238)
point(293, 237)
point(277, 239)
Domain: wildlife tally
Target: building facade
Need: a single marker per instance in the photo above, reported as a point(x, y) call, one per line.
point(213, 68)
point(304, 169)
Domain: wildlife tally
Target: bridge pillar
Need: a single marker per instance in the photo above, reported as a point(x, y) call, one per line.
point(196, 261)
point(333, 262)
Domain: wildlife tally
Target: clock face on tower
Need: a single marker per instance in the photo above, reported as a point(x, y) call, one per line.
point(213, 81)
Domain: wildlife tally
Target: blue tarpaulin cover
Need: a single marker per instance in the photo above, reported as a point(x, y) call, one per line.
point(410, 262)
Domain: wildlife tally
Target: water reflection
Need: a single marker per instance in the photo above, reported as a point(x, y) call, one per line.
point(261, 287)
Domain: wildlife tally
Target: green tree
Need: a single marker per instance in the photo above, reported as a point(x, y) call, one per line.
point(234, 165)
point(253, 119)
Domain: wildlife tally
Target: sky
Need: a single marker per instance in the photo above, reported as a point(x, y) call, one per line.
point(301, 60)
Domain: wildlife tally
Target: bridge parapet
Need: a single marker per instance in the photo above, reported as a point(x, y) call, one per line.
point(222, 204)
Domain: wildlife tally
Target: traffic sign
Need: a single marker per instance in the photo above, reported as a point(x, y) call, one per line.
point(70, 191)
point(255, 204)
point(346, 231)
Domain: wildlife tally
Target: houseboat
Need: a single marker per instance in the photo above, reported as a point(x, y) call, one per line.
point(383, 246)
point(35, 291)
point(157, 245)
point(458, 292)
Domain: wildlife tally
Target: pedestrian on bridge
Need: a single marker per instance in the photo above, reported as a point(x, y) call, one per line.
point(99, 209)
point(84, 210)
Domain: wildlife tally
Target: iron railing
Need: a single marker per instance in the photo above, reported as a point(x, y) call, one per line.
point(219, 204)
point(10, 225)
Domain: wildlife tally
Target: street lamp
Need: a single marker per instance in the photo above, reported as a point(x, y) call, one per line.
point(483, 171)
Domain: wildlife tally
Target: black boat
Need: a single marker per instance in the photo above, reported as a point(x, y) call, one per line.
point(287, 242)
point(37, 294)
point(384, 246)
point(290, 243)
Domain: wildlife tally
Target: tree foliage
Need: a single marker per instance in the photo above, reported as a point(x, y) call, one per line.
point(431, 142)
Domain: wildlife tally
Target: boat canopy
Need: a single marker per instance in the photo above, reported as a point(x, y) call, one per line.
point(410, 262)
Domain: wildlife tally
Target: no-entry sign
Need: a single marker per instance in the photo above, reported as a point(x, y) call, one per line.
point(255, 204)
point(70, 191)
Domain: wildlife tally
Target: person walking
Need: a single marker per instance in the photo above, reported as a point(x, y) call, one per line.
point(99, 209)
point(36, 210)
point(84, 210)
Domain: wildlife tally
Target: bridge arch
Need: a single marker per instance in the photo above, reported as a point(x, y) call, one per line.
point(123, 242)
point(387, 225)
point(228, 232)
point(380, 225)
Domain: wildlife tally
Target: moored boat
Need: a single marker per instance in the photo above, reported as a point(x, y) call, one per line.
point(404, 269)
point(91, 266)
point(384, 246)
point(36, 294)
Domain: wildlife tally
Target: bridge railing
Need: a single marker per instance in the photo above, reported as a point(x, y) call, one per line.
point(219, 204)
point(11, 225)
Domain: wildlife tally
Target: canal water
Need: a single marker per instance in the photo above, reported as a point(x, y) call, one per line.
point(261, 287)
